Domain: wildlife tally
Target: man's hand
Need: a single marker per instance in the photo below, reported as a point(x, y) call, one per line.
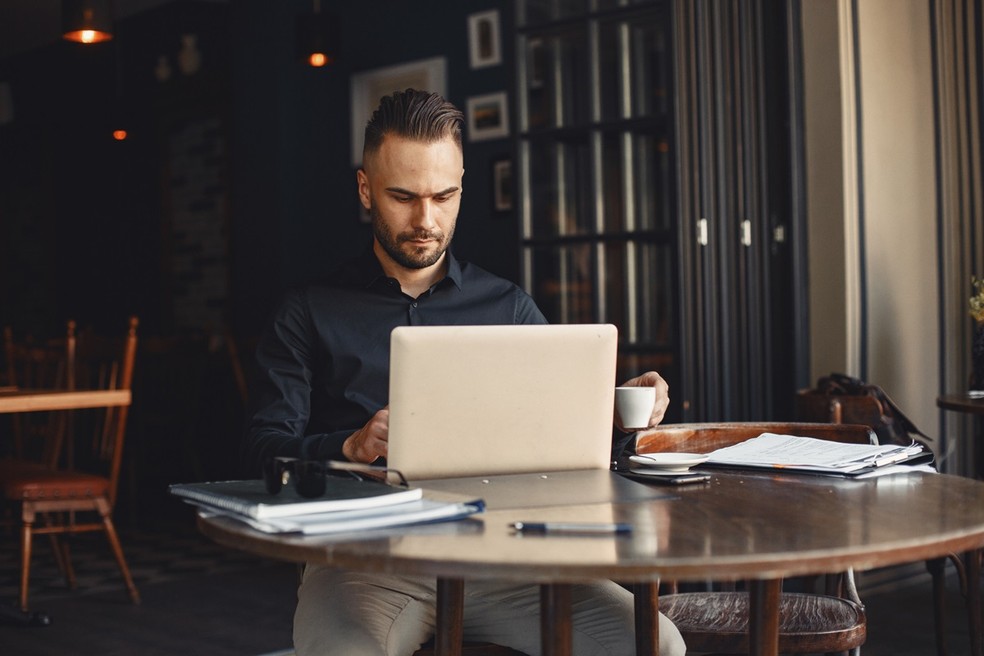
point(650, 379)
point(371, 441)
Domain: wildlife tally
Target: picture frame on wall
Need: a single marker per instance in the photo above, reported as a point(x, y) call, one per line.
point(484, 41)
point(488, 116)
point(369, 86)
point(502, 185)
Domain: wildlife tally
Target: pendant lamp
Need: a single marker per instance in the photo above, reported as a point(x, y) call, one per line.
point(87, 21)
point(317, 37)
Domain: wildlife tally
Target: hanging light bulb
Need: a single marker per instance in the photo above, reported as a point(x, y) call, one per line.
point(317, 37)
point(87, 21)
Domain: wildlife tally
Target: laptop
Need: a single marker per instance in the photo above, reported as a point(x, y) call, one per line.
point(485, 400)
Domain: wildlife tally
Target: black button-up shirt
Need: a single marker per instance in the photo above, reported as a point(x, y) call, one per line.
point(324, 361)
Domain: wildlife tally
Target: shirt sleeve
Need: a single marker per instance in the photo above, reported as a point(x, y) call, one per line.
point(527, 311)
point(285, 357)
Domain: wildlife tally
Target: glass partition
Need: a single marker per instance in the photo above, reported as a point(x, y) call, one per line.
point(597, 228)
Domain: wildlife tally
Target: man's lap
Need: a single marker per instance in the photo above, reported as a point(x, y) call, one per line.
point(375, 614)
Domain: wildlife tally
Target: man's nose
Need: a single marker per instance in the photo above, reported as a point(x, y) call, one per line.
point(424, 217)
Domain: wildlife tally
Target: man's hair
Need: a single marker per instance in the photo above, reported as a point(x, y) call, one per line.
point(416, 115)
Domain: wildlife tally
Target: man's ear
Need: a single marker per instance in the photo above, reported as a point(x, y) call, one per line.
point(363, 184)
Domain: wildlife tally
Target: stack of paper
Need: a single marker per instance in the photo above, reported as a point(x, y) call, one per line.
point(772, 451)
point(347, 505)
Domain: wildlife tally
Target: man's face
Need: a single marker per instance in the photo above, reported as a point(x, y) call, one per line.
point(413, 192)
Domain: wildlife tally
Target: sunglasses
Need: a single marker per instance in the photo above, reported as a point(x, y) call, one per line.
point(311, 476)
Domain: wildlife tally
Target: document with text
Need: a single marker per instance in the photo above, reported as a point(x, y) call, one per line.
point(808, 454)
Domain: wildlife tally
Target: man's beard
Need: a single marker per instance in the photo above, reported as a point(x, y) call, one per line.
point(410, 257)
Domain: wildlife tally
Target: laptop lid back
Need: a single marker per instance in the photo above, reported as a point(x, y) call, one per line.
point(483, 400)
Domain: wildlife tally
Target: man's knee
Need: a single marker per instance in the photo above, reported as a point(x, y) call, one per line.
point(351, 614)
point(670, 641)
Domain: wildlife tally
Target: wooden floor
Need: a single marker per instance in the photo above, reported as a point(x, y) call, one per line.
point(201, 599)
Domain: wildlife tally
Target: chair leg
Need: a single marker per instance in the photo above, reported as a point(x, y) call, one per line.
point(26, 535)
point(973, 574)
point(114, 543)
point(57, 551)
point(63, 557)
point(66, 558)
point(937, 569)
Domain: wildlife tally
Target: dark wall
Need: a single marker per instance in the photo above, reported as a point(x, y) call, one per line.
point(95, 229)
point(295, 204)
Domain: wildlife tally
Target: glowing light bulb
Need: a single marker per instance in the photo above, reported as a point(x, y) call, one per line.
point(119, 135)
point(317, 59)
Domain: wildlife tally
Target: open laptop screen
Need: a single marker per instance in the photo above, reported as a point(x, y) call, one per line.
point(483, 400)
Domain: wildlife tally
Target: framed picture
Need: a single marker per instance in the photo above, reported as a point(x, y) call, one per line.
point(488, 116)
point(369, 86)
point(502, 187)
point(484, 47)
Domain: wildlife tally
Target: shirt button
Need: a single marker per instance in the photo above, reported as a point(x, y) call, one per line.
point(414, 304)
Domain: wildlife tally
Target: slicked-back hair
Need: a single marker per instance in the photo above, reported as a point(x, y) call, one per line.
point(415, 115)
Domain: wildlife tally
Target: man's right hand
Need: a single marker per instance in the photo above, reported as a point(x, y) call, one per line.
point(369, 442)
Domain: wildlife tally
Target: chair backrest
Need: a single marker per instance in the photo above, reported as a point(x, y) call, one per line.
point(107, 363)
point(39, 364)
point(812, 405)
point(33, 364)
point(704, 438)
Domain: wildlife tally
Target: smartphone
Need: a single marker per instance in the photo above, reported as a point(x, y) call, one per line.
point(678, 479)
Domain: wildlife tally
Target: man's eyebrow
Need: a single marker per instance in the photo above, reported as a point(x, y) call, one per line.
point(407, 192)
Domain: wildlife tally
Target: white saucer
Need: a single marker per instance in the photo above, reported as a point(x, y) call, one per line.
point(669, 462)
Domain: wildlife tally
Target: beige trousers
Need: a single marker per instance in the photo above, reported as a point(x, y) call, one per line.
point(341, 613)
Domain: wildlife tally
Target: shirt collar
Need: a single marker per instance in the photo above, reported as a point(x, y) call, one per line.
point(368, 270)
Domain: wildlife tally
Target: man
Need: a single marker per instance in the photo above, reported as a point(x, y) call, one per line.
point(325, 380)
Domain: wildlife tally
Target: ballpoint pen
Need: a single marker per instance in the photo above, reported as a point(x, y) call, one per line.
point(590, 528)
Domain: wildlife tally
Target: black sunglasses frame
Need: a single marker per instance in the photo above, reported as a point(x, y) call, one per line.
point(311, 476)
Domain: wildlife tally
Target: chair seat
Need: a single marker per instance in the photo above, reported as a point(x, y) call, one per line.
point(718, 621)
point(36, 484)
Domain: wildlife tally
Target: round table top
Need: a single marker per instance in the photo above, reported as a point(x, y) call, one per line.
point(738, 526)
point(961, 403)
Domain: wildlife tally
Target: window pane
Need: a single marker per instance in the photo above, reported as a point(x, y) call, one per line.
point(650, 68)
point(560, 176)
point(557, 71)
point(564, 288)
point(613, 181)
point(646, 158)
point(614, 4)
point(651, 176)
point(638, 291)
point(634, 56)
point(542, 11)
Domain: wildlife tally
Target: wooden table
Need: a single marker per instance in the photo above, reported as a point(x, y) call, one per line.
point(961, 403)
point(40, 400)
point(757, 526)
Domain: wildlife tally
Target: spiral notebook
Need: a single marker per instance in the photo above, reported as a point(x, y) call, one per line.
point(483, 400)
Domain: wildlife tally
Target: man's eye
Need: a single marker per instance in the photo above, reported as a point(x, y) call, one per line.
point(404, 199)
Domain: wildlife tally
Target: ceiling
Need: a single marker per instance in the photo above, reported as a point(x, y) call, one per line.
point(29, 24)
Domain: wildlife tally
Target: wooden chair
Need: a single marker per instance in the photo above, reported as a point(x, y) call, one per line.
point(815, 406)
point(717, 621)
point(48, 364)
point(59, 494)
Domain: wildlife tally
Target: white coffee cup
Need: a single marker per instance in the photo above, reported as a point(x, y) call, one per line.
point(634, 406)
